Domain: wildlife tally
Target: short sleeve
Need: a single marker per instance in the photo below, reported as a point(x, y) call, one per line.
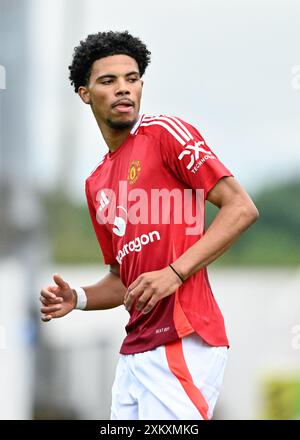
point(102, 233)
point(186, 154)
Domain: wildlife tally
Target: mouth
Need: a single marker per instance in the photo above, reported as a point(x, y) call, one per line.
point(123, 106)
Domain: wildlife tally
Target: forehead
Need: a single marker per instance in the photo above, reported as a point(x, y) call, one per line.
point(115, 65)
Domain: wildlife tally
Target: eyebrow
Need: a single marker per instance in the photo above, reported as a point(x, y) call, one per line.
point(110, 75)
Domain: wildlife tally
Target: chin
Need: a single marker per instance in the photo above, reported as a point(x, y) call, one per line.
point(121, 125)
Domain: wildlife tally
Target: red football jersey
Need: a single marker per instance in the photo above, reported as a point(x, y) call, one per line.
point(146, 202)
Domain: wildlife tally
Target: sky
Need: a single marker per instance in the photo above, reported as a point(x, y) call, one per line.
point(230, 68)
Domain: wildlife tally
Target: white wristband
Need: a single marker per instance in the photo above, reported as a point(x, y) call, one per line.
point(81, 298)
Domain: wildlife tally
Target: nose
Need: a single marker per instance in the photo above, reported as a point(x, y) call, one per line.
point(121, 87)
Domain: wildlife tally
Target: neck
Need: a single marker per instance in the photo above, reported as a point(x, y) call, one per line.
point(114, 138)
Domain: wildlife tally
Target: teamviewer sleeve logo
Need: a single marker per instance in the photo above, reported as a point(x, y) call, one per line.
point(193, 152)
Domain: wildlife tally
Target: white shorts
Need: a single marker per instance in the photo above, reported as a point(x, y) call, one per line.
point(177, 381)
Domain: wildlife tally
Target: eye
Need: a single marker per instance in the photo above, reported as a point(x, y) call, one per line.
point(133, 80)
point(107, 82)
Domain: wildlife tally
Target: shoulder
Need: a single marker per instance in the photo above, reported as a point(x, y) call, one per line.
point(97, 170)
point(164, 126)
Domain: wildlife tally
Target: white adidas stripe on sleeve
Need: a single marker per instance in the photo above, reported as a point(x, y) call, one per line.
point(183, 126)
point(176, 125)
point(168, 128)
point(172, 124)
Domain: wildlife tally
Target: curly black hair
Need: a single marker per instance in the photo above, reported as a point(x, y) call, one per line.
point(101, 45)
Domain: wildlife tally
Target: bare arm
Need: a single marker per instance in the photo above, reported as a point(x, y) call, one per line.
point(59, 300)
point(106, 293)
point(237, 212)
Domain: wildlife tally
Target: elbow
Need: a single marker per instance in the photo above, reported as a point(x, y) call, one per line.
point(253, 213)
point(250, 214)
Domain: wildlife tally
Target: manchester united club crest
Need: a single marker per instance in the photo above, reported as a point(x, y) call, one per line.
point(134, 171)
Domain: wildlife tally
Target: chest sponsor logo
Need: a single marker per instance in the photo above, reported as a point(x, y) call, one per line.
point(137, 244)
point(193, 154)
point(134, 171)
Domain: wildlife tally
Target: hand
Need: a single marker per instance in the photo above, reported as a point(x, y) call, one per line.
point(57, 300)
point(151, 287)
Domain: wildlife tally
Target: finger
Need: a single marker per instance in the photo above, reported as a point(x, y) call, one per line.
point(132, 296)
point(47, 294)
point(59, 281)
point(132, 286)
point(46, 318)
point(50, 309)
point(46, 301)
point(150, 305)
point(143, 299)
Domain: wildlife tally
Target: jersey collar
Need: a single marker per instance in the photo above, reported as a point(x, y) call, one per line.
point(137, 124)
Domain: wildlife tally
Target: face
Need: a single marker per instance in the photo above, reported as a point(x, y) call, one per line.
point(114, 91)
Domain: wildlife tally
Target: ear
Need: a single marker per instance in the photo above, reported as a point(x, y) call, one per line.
point(142, 83)
point(84, 94)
